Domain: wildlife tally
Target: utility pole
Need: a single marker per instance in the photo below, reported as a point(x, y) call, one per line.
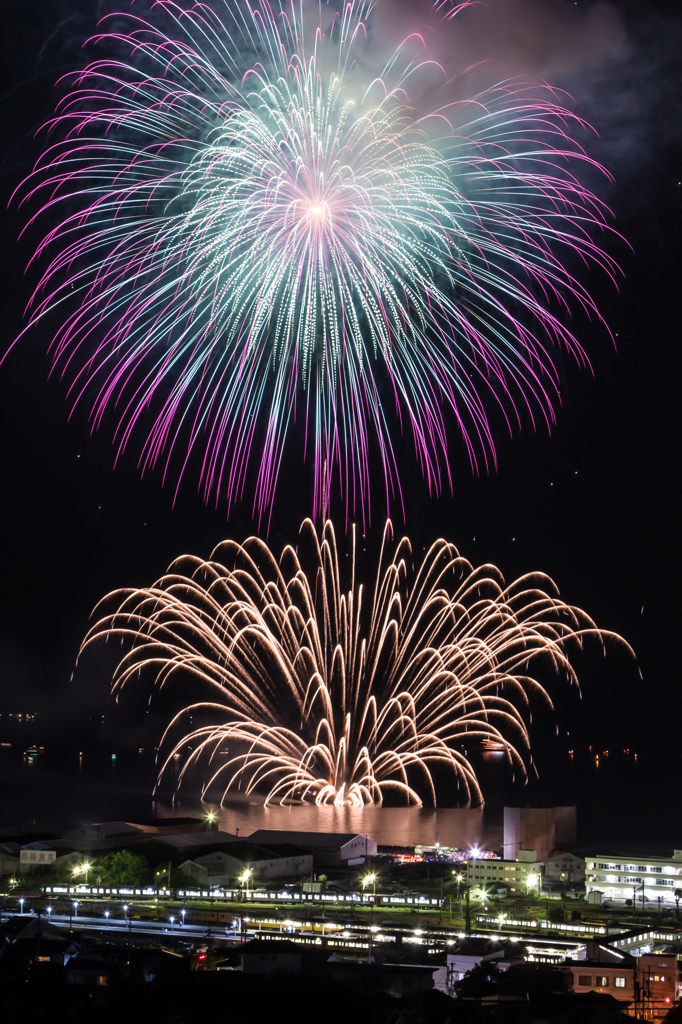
point(467, 923)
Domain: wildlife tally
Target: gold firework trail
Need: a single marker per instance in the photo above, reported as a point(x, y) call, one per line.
point(340, 695)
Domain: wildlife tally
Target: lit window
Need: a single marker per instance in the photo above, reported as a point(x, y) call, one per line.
point(619, 982)
point(602, 982)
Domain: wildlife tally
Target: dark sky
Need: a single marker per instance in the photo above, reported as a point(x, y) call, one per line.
point(594, 505)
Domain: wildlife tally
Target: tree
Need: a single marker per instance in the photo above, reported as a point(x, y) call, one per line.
point(123, 868)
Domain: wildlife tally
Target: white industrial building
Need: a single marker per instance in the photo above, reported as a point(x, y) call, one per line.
point(626, 877)
point(517, 876)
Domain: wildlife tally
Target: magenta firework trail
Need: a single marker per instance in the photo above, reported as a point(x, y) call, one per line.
point(262, 215)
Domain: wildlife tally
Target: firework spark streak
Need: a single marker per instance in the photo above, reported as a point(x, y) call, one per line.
point(341, 695)
point(257, 229)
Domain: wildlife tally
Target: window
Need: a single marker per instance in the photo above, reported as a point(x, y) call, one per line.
point(619, 982)
point(602, 982)
point(656, 871)
point(584, 979)
point(631, 879)
point(664, 881)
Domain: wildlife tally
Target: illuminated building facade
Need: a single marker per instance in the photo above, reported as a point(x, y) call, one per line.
point(653, 879)
point(518, 876)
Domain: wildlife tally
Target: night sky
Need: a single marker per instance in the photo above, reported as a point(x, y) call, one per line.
point(593, 505)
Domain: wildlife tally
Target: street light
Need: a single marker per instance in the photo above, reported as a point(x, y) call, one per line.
point(75, 904)
point(531, 882)
point(244, 877)
point(172, 920)
point(49, 910)
point(21, 903)
point(183, 912)
point(82, 869)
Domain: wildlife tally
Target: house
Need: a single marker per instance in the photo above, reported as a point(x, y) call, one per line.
point(223, 866)
point(565, 867)
point(608, 978)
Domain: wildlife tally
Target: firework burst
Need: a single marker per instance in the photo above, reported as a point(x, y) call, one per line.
point(341, 695)
point(257, 229)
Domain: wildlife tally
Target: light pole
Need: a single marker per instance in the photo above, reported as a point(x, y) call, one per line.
point(21, 904)
point(371, 879)
point(183, 912)
point(48, 911)
point(172, 921)
point(244, 879)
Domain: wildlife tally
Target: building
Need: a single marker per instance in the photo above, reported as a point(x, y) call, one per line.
point(565, 867)
point(517, 876)
point(651, 879)
point(613, 979)
point(329, 848)
point(538, 828)
point(264, 956)
point(649, 982)
point(474, 950)
point(223, 867)
point(659, 984)
point(173, 826)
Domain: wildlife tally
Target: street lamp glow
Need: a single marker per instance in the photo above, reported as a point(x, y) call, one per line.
point(21, 903)
point(211, 816)
point(368, 880)
point(244, 877)
point(106, 914)
point(49, 910)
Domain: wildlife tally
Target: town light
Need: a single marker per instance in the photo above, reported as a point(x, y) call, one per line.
point(368, 880)
point(244, 877)
point(49, 910)
point(211, 817)
point(531, 881)
point(21, 903)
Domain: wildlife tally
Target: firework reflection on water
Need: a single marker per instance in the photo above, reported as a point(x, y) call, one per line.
point(462, 827)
